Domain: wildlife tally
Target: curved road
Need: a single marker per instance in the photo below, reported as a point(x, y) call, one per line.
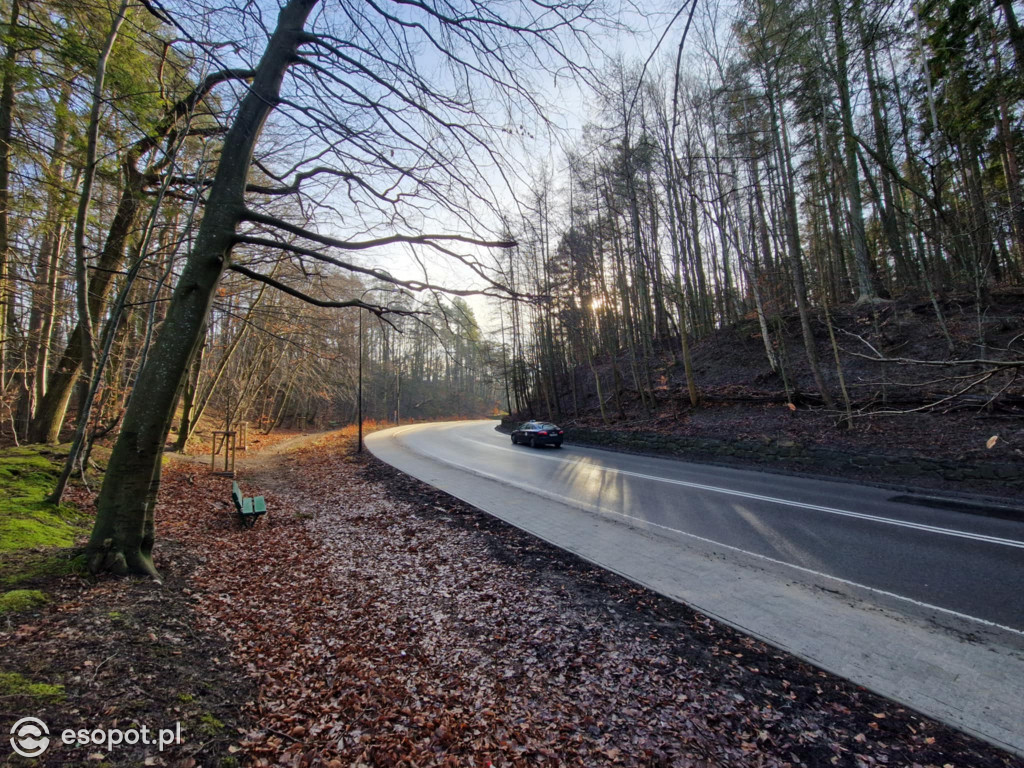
point(817, 567)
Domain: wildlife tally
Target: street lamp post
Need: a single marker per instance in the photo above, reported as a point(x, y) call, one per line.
point(359, 389)
point(359, 396)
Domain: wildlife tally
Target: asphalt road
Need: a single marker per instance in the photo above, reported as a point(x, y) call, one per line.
point(917, 602)
point(967, 565)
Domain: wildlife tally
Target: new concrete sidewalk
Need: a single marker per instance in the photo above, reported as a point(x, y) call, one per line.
point(963, 674)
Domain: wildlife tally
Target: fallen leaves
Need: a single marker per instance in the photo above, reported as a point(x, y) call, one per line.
point(127, 653)
point(389, 625)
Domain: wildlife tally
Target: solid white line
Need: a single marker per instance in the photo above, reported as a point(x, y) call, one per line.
point(775, 500)
point(575, 503)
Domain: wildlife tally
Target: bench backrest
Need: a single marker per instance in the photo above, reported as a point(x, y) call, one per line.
point(236, 495)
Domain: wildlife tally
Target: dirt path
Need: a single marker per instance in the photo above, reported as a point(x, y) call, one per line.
point(269, 467)
point(278, 468)
point(266, 457)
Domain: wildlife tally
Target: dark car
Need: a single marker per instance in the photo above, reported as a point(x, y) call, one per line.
point(536, 433)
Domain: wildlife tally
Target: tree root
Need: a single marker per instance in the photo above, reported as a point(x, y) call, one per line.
point(121, 562)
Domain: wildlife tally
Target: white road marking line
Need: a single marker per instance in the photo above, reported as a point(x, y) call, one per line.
point(775, 500)
point(576, 503)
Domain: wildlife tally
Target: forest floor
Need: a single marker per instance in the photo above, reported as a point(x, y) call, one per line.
point(369, 620)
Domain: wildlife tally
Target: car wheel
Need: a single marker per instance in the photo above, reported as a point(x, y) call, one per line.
point(514, 441)
point(533, 442)
point(558, 445)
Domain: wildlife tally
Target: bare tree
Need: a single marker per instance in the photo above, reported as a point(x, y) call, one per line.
point(394, 140)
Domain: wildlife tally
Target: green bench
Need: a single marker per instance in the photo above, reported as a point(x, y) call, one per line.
point(249, 509)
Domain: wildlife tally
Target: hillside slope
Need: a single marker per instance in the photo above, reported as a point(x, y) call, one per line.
point(912, 423)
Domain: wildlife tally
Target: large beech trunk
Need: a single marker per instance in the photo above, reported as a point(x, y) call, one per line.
point(122, 538)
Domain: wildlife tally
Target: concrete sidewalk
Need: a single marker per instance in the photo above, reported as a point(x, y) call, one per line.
point(963, 674)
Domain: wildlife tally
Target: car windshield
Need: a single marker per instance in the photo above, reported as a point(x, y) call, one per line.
point(546, 426)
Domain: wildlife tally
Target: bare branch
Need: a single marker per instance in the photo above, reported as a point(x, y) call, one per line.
point(990, 364)
point(380, 274)
point(360, 245)
point(376, 309)
point(296, 184)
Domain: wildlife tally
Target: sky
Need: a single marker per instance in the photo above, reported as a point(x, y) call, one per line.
point(531, 144)
point(569, 104)
point(574, 104)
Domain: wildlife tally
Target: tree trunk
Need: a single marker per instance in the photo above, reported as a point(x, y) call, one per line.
point(188, 419)
point(752, 274)
point(6, 119)
point(49, 416)
point(1011, 170)
point(1016, 35)
point(50, 249)
point(865, 283)
point(276, 421)
point(122, 538)
point(794, 255)
point(703, 294)
point(675, 226)
point(86, 318)
point(883, 145)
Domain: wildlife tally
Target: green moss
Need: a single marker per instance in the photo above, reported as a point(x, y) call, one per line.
point(19, 600)
point(20, 567)
point(39, 528)
point(13, 684)
point(185, 697)
point(27, 520)
point(209, 725)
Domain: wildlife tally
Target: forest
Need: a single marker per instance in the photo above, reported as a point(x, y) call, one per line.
point(820, 176)
point(787, 156)
point(196, 208)
point(755, 235)
point(110, 135)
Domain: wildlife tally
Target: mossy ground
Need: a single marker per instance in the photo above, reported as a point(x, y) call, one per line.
point(79, 652)
point(21, 600)
point(14, 684)
point(27, 520)
point(31, 567)
point(111, 652)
